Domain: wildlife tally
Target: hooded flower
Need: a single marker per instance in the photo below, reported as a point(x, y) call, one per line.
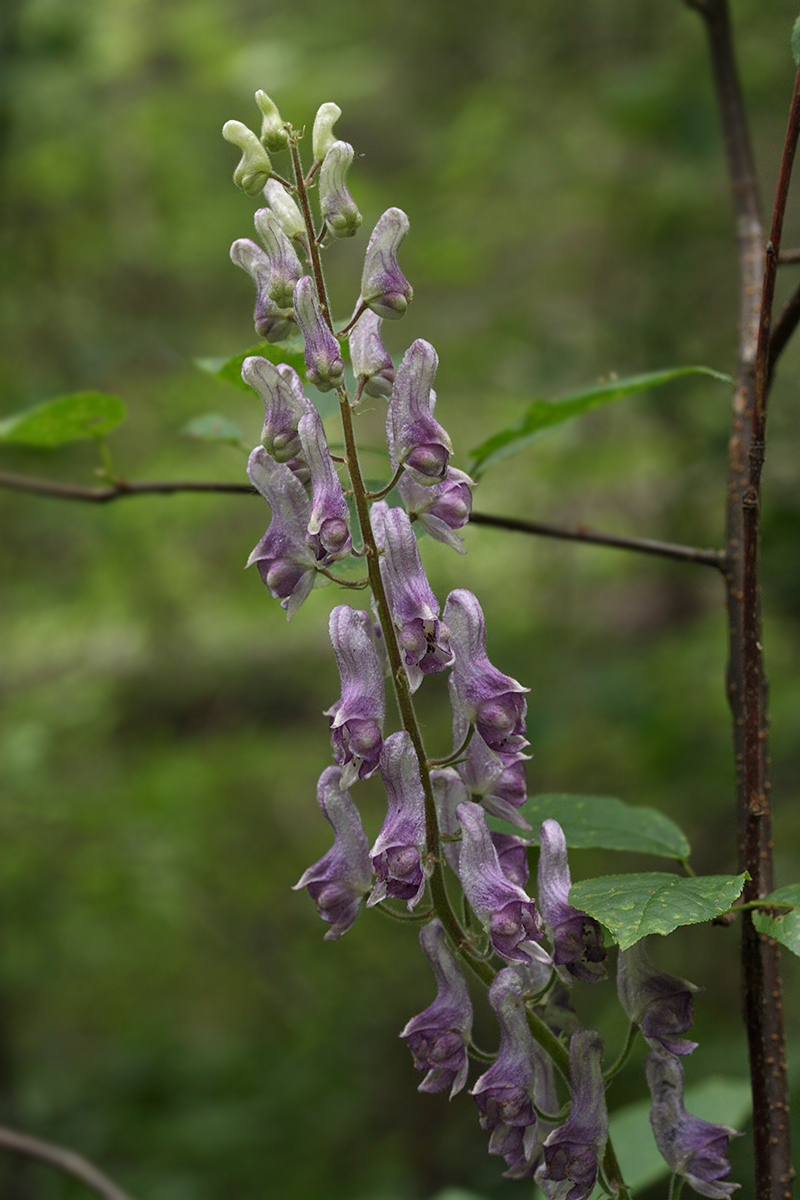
point(494, 703)
point(324, 366)
point(502, 907)
point(329, 519)
point(284, 560)
point(271, 322)
point(660, 1004)
point(396, 855)
point(338, 882)
point(424, 639)
point(694, 1149)
point(440, 508)
point(572, 1153)
point(282, 408)
point(322, 134)
point(419, 441)
point(577, 938)
point(384, 288)
point(337, 206)
point(504, 1094)
point(371, 360)
point(357, 718)
point(284, 265)
point(494, 780)
point(437, 1038)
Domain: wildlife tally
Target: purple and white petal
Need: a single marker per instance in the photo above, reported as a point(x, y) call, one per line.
point(283, 558)
point(397, 853)
point(384, 288)
point(419, 441)
point(329, 519)
point(573, 1152)
point(324, 366)
point(577, 938)
point(357, 718)
point(438, 1037)
point(660, 1004)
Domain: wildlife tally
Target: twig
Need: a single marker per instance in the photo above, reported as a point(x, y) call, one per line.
point(114, 491)
point(762, 988)
point(66, 1161)
point(581, 533)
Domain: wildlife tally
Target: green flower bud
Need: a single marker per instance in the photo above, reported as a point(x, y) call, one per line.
point(322, 137)
point(336, 204)
point(273, 134)
point(254, 169)
point(289, 216)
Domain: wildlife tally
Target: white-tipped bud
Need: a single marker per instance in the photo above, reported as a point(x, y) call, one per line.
point(285, 209)
point(322, 137)
point(254, 168)
point(285, 268)
point(336, 204)
point(273, 133)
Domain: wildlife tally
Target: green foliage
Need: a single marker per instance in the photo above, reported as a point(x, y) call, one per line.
point(229, 370)
point(633, 906)
point(543, 415)
point(64, 419)
point(211, 427)
point(796, 41)
point(784, 927)
point(602, 823)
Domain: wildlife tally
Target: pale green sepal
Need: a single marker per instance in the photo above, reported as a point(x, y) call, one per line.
point(254, 168)
point(322, 137)
point(289, 216)
point(273, 133)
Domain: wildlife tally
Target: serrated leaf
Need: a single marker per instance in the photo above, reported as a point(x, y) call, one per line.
point(64, 419)
point(211, 427)
point(542, 415)
point(603, 823)
point(784, 928)
point(633, 906)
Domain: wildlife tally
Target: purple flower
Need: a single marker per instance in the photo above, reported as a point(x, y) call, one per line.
point(384, 288)
point(424, 639)
point(512, 854)
point(437, 1037)
point(282, 408)
point(660, 1004)
point(339, 881)
point(418, 440)
point(284, 265)
point(492, 702)
point(577, 938)
point(440, 508)
point(371, 360)
point(337, 206)
point(324, 366)
point(500, 905)
point(357, 718)
point(271, 322)
point(504, 1094)
point(693, 1148)
point(396, 855)
point(329, 519)
point(572, 1153)
point(284, 560)
point(492, 779)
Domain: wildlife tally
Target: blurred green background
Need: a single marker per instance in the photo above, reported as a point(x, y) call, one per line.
point(167, 1005)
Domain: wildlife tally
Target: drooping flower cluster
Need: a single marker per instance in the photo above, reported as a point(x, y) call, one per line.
point(440, 834)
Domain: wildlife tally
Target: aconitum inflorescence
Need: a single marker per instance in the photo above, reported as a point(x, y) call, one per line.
point(452, 846)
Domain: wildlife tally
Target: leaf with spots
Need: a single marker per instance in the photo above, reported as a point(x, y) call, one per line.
point(633, 906)
point(603, 823)
point(784, 927)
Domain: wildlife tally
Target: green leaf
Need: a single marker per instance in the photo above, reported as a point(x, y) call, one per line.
point(211, 427)
point(785, 928)
point(602, 823)
point(796, 41)
point(632, 906)
point(64, 419)
point(229, 370)
point(542, 415)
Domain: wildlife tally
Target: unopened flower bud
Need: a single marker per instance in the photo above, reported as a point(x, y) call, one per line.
point(322, 136)
point(371, 360)
point(285, 209)
point(384, 288)
point(273, 134)
point(324, 366)
point(285, 268)
point(254, 168)
point(336, 204)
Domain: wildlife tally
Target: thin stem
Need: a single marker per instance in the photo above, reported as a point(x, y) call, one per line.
point(616, 1067)
point(392, 483)
point(61, 1159)
point(581, 533)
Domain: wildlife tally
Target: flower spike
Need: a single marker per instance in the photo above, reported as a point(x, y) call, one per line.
point(339, 881)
